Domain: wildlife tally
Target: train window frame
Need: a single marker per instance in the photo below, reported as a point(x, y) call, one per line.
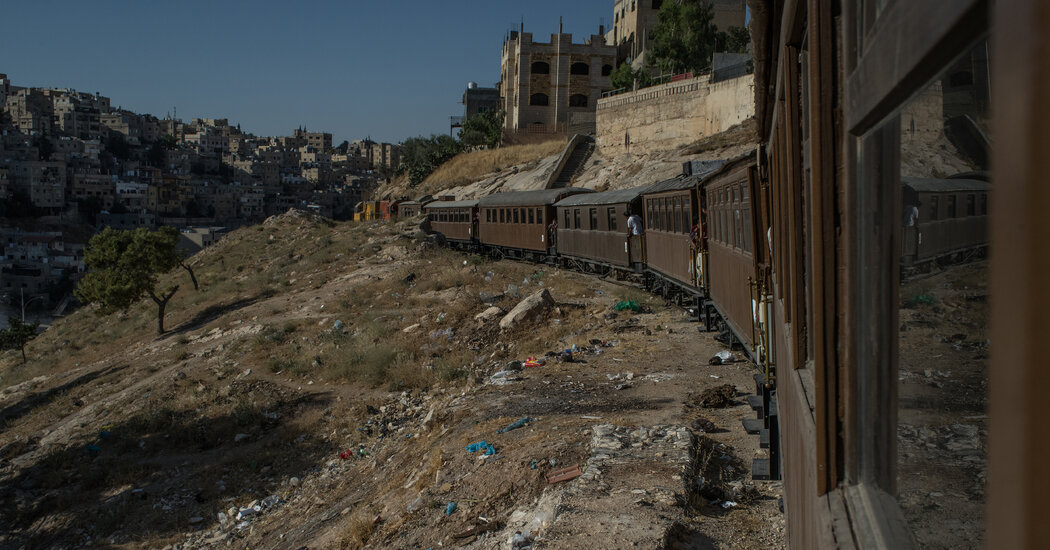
point(892, 54)
point(951, 207)
point(610, 213)
point(971, 204)
point(982, 204)
point(935, 208)
point(576, 218)
point(539, 216)
point(593, 215)
point(568, 220)
point(514, 211)
point(532, 216)
point(502, 215)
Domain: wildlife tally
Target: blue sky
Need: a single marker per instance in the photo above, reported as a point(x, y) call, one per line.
point(388, 69)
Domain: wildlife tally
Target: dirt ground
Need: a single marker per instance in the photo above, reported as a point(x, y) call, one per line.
point(943, 424)
point(221, 433)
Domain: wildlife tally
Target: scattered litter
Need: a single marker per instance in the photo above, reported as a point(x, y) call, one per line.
point(532, 362)
point(717, 397)
point(728, 504)
point(519, 541)
point(481, 445)
point(338, 325)
point(721, 358)
point(441, 333)
point(715, 376)
point(515, 425)
point(450, 508)
point(564, 474)
point(623, 386)
point(631, 305)
point(504, 377)
point(586, 417)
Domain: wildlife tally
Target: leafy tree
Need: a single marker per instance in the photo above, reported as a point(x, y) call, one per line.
point(735, 39)
point(118, 146)
point(44, 148)
point(157, 155)
point(686, 36)
point(420, 155)
point(124, 267)
point(17, 335)
point(342, 147)
point(624, 77)
point(484, 128)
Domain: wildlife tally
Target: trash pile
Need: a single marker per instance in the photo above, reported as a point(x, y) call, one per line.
point(717, 477)
point(395, 417)
point(718, 397)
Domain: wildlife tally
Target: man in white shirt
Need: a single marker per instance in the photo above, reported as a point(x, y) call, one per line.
point(634, 224)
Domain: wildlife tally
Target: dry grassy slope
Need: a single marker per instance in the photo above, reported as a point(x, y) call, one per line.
point(525, 167)
point(114, 436)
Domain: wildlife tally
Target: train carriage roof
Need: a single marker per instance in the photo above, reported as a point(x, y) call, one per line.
point(452, 204)
point(606, 197)
point(535, 197)
point(930, 185)
point(701, 170)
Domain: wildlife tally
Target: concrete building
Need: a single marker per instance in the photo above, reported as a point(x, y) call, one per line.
point(544, 82)
point(634, 21)
point(479, 100)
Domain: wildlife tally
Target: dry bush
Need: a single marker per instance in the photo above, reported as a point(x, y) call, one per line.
point(467, 168)
point(359, 529)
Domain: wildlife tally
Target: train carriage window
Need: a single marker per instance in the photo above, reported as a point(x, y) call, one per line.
point(920, 337)
point(488, 216)
point(502, 215)
point(522, 215)
point(576, 218)
point(983, 210)
point(747, 244)
point(594, 219)
point(610, 214)
point(532, 216)
point(568, 222)
point(515, 211)
point(676, 211)
point(539, 216)
point(648, 214)
point(738, 226)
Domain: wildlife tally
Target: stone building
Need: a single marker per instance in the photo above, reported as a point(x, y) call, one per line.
point(634, 21)
point(544, 83)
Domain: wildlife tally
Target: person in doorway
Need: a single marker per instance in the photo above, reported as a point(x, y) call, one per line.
point(634, 224)
point(552, 234)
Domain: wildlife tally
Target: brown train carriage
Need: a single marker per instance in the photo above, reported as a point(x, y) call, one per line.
point(952, 218)
point(408, 209)
point(592, 228)
point(836, 88)
point(670, 208)
point(453, 219)
point(728, 267)
point(515, 224)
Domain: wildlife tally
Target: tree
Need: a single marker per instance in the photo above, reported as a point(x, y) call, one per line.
point(17, 335)
point(420, 155)
point(624, 77)
point(735, 39)
point(686, 36)
point(124, 266)
point(484, 128)
point(44, 148)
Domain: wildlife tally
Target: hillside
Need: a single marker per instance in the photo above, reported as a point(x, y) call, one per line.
point(526, 167)
point(321, 388)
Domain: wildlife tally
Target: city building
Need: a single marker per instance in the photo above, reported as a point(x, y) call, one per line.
point(544, 83)
point(634, 21)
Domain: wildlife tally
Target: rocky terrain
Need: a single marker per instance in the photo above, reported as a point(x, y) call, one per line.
point(327, 385)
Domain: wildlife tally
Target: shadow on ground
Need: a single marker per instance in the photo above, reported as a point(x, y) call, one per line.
point(144, 478)
point(39, 399)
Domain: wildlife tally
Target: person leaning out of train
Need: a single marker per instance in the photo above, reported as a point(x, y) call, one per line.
point(694, 234)
point(634, 224)
point(552, 233)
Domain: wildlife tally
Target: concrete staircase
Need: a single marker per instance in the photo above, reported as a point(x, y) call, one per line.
point(572, 162)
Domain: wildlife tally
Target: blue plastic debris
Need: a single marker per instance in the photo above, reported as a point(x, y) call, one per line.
point(450, 508)
point(481, 446)
point(518, 424)
point(94, 449)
